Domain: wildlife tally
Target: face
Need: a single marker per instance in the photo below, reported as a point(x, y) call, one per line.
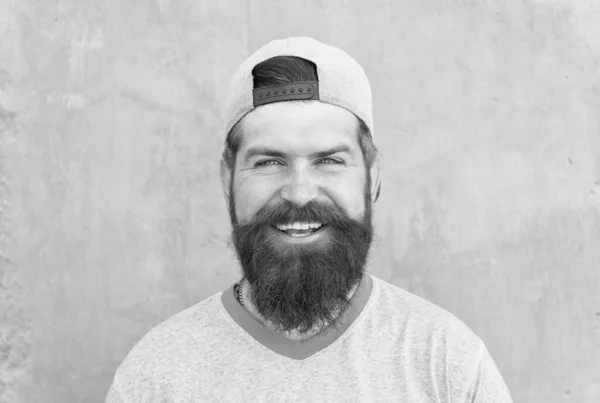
point(300, 165)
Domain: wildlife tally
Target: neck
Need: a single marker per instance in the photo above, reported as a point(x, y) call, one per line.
point(292, 334)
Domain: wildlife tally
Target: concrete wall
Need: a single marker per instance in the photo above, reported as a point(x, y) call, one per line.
point(112, 218)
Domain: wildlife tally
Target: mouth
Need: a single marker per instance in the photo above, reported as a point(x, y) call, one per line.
point(300, 229)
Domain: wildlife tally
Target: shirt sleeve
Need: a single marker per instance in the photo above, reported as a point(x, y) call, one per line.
point(488, 386)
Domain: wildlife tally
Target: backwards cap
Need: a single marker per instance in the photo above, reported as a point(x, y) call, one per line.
point(342, 81)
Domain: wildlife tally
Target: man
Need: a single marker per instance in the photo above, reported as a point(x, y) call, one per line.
point(306, 323)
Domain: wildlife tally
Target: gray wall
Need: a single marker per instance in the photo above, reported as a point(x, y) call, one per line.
point(487, 115)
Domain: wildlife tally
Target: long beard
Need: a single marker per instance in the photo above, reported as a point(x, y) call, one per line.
point(301, 287)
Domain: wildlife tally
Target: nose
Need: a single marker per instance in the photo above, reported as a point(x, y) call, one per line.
point(300, 188)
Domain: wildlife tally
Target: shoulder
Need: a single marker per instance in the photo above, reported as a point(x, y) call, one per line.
point(169, 343)
point(421, 321)
point(439, 348)
point(192, 323)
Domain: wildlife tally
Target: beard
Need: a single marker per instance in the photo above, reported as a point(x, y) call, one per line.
point(303, 286)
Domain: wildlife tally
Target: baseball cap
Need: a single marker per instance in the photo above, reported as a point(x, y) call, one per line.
point(341, 81)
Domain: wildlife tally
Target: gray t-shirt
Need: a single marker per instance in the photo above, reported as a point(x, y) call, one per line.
point(400, 348)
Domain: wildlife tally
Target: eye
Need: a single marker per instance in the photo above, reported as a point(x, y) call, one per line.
point(266, 162)
point(330, 161)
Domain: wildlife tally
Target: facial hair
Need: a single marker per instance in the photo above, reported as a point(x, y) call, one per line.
point(301, 287)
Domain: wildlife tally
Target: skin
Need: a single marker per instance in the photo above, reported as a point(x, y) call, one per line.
point(297, 132)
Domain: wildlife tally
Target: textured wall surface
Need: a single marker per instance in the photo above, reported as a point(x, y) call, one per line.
point(112, 217)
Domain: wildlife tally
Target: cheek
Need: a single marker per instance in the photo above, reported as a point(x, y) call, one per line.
point(249, 198)
point(354, 203)
point(349, 196)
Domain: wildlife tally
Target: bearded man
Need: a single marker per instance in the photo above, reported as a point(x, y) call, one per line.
point(306, 323)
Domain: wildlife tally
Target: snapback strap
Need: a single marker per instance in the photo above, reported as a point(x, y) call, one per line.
point(286, 92)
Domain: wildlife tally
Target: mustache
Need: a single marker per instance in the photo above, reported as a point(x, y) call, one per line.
point(286, 212)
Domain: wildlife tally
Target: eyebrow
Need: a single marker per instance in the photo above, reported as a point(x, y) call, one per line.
point(254, 151)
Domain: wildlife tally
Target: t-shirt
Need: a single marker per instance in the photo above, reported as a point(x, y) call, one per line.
point(399, 348)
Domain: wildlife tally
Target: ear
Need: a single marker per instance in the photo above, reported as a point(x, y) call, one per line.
point(225, 179)
point(375, 180)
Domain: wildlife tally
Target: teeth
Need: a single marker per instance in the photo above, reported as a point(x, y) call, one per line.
point(299, 226)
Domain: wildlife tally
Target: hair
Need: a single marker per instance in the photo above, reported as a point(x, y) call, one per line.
point(285, 70)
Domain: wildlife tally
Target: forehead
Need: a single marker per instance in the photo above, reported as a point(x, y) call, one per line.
point(297, 126)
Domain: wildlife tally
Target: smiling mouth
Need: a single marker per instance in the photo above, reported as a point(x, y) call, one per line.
point(300, 231)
